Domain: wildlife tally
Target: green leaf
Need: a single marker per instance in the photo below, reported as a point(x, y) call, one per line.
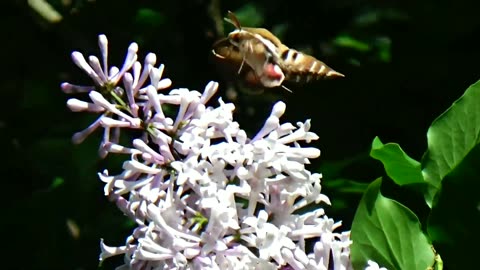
point(388, 233)
point(455, 216)
point(399, 166)
point(450, 137)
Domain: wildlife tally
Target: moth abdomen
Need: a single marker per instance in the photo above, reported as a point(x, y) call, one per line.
point(300, 67)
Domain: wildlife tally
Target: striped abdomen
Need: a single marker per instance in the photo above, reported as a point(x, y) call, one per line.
point(300, 67)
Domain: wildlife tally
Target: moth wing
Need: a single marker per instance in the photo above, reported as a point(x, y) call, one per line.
point(265, 34)
point(229, 59)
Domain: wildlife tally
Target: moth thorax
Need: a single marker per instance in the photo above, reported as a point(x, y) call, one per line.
point(254, 55)
point(259, 59)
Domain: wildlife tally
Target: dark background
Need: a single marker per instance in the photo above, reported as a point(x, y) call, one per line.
point(405, 63)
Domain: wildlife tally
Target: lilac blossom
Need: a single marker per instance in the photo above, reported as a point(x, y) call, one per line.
point(374, 266)
point(202, 193)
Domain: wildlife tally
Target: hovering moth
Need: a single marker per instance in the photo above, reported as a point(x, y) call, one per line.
point(251, 58)
point(268, 61)
point(258, 70)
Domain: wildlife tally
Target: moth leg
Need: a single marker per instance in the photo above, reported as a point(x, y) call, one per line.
point(241, 65)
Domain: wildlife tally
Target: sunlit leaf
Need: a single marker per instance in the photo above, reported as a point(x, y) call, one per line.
point(388, 233)
point(451, 137)
point(399, 166)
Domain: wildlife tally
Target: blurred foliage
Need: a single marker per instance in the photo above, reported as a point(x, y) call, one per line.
point(250, 14)
point(405, 62)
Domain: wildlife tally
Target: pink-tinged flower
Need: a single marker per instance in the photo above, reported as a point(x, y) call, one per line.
point(117, 94)
point(203, 194)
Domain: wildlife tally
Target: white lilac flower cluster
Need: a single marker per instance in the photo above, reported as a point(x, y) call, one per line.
point(204, 195)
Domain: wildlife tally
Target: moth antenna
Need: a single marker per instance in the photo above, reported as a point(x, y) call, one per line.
point(286, 88)
point(233, 20)
point(229, 21)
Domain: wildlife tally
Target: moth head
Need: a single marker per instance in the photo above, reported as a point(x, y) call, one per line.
point(236, 37)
